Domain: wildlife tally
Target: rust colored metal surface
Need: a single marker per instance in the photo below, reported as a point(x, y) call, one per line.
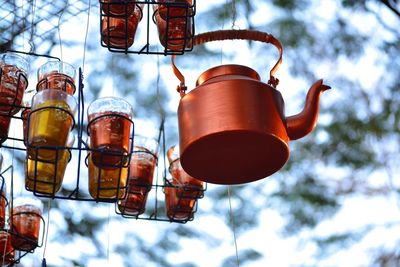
point(231, 128)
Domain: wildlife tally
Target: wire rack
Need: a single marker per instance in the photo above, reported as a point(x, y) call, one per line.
point(35, 21)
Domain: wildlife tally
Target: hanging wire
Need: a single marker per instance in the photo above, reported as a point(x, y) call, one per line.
point(108, 236)
point(59, 31)
point(32, 26)
point(233, 225)
point(86, 36)
point(47, 230)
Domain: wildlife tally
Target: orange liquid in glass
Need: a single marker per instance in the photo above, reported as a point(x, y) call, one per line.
point(12, 87)
point(56, 80)
point(178, 207)
point(6, 249)
point(103, 183)
point(177, 10)
point(140, 181)
point(49, 176)
point(2, 210)
point(119, 32)
point(121, 8)
point(194, 186)
point(175, 34)
point(26, 225)
point(110, 134)
point(4, 127)
point(49, 127)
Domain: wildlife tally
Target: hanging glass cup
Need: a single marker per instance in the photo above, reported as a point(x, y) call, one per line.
point(6, 249)
point(119, 32)
point(142, 165)
point(183, 190)
point(56, 75)
point(109, 128)
point(174, 24)
point(50, 122)
point(13, 82)
point(25, 226)
point(112, 7)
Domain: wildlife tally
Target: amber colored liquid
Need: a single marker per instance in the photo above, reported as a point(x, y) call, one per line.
point(174, 11)
point(119, 32)
point(49, 127)
point(107, 181)
point(6, 249)
point(111, 135)
point(2, 210)
point(4, 127)
point(49, 176)
point(56, 80)
point(117, 9)
point(139, 184)
point(11, 91)
point(26, 226)
point(177, 35)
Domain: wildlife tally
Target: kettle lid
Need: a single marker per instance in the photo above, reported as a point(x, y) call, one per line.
point(231, 69)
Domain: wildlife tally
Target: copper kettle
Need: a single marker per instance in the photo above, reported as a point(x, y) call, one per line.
point(232, 126)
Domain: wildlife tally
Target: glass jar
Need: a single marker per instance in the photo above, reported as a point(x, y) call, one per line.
point(106, 183)
point(56, 75)
point(183, 190)
point(141, 172)
point(14, 80)
point(27, 103)
point(109, 128)
point(174, 26)
point(46, 177)
point(25, 224)
point(119, 32)
point(112, 7)
point(51, 120)
point(6, 249)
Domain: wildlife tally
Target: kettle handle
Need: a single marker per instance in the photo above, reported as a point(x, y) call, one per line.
point(232, 35)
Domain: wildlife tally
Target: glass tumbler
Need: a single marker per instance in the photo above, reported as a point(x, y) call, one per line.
point(142, 165)
point(27, 103)
point(112, 7)
point(119, 32)
point(109, 128)
point(184, 191)
point(106, 183)
point(13, 82)
point(175, 30)
point(46, 177)
point(26, 224)
point(56, 75)
point(6, 249)
point(50, 122)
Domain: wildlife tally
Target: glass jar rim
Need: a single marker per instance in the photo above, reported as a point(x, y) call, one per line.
point(115, 104)
point(70, 100)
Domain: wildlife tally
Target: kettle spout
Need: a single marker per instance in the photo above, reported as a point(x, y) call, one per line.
point(303, 123)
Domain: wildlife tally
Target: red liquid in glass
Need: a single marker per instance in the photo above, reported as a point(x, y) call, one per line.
point(110, 132)
point(120, 32)
point(12, 86)
point(175, 34)
point(26, 224)
point(4, 127)
point(24, 116)
point(56, 80)
point(2, 210)
point(172, 10)
point(109, 7)
point(140, 181)
point(6, 249)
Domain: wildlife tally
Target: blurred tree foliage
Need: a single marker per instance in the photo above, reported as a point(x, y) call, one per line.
point(353, 152)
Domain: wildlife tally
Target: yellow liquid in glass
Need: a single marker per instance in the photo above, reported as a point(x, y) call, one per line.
point(108, 179)
point(47, 180)
point(49, 127)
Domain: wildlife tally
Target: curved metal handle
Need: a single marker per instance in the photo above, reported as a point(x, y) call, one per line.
point(232, 35)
